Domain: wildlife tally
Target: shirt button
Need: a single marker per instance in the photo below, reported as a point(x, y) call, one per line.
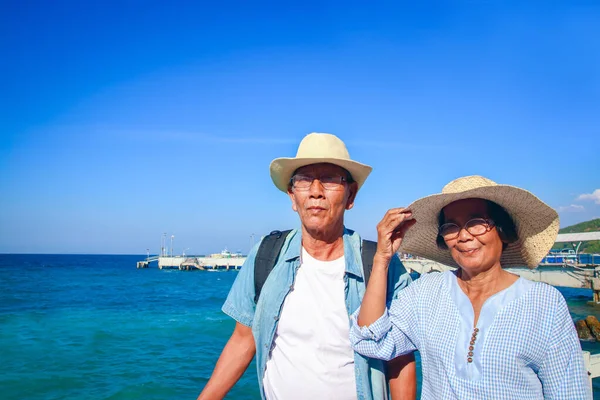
point(469, 360)
point(472, 342)
point(470, 354)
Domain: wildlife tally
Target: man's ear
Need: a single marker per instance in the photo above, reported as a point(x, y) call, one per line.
point(293, 198)
point(353, 189)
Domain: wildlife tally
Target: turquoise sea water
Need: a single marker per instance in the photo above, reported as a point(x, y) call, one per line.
point(95, 327)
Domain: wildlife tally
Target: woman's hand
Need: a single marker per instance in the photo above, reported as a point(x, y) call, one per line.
point(390, 232)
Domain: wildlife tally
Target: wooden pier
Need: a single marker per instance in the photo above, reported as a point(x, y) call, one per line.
point(146, 262)
point(190, 263)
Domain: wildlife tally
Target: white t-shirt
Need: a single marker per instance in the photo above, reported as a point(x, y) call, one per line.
point(311, 357)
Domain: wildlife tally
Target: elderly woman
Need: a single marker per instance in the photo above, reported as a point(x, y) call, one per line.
point(482, 332)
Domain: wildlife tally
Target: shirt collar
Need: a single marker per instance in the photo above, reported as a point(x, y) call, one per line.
point(352, 248)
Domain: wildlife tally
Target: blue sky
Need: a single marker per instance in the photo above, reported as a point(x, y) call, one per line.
point(124, 120)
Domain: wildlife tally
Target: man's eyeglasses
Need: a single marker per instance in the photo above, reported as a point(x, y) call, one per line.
point(329, 182)
point(475, 226)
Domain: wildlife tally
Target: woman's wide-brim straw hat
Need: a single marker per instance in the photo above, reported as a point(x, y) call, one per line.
point(317, 148)
point(536, 223)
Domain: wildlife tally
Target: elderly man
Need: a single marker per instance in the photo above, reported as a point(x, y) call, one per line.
point(298, 324)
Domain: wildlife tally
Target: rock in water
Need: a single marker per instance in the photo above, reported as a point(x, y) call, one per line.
point(594, 325)
point(583, 331)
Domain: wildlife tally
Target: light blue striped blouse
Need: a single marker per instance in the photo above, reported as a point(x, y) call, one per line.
point(526, 346)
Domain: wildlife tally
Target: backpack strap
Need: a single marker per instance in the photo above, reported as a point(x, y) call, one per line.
point(266, 258)
point(270, 247)
point(369, 248)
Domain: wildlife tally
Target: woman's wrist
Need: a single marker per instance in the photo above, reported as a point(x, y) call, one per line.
point(381, 260)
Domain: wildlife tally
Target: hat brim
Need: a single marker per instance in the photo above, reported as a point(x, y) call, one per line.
point(536, 224)
point(283, 168)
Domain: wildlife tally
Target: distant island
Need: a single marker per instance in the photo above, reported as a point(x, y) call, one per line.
point(587, 226)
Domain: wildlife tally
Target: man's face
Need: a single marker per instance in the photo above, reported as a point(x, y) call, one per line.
point(321, 207)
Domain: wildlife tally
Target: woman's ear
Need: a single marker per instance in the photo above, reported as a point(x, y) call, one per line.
point(502, 235)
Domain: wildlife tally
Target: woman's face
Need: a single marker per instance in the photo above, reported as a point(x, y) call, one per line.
point(472, 253)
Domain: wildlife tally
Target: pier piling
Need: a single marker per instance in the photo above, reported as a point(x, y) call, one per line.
point(596, 288)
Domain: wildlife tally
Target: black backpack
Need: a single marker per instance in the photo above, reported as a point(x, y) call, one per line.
point(270, 247)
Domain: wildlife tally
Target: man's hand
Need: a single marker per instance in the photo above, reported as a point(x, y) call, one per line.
point(232, 364)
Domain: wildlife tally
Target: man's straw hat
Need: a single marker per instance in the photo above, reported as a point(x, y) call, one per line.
point(317, 148)
point(536, 223)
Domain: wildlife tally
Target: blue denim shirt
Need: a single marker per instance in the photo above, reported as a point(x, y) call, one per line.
point(263, 316)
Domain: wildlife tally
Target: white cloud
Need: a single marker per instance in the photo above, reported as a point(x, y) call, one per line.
point(595, 196)
point(571, 208)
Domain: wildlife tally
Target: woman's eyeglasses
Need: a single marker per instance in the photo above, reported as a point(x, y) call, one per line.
point(475, 226)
